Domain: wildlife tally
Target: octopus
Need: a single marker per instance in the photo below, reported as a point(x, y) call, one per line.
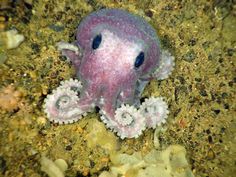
point(115, 55)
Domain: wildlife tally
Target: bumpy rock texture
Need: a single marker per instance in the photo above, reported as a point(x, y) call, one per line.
point(200, 92)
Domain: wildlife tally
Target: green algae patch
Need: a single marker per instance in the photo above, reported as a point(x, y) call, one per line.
point(3, 57)
point(229, 28)
point(99, 136)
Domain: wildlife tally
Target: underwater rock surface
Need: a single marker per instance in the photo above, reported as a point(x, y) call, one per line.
point(200, 93)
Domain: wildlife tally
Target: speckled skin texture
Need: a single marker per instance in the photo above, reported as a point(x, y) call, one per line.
point(115, 55)
point(108, 73)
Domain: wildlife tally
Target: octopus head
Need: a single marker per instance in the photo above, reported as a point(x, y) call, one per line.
point(116, 44)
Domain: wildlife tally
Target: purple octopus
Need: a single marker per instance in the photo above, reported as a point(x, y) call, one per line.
point(115, 55)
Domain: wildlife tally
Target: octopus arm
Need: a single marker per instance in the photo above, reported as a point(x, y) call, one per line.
point(126, 95)
point(166, 66)
point(63, 106)
point(128, 122)
point(72, 52)
point(155, 111)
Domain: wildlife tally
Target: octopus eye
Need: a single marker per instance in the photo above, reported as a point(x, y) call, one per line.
point(139, 60)
point(97, 41)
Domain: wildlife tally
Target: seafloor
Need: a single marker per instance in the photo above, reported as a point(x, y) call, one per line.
point(200, 92)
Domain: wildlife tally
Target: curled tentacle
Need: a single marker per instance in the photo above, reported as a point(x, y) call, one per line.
point(109, 123)
point(71, 84)
point(155, 111)
point(128, 122)
point(74, 85)
point(66, 46)
point(167, 64)
point(72, 52)
point(62, 106)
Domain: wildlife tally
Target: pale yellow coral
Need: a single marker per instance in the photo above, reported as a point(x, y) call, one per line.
point(53, 169)
point(11, 39)
point(167, 163)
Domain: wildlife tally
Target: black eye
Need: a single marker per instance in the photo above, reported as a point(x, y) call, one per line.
point(97, 41)
point(139, 60)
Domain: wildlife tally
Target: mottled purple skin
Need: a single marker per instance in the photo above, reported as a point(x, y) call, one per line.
point(108, 75)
